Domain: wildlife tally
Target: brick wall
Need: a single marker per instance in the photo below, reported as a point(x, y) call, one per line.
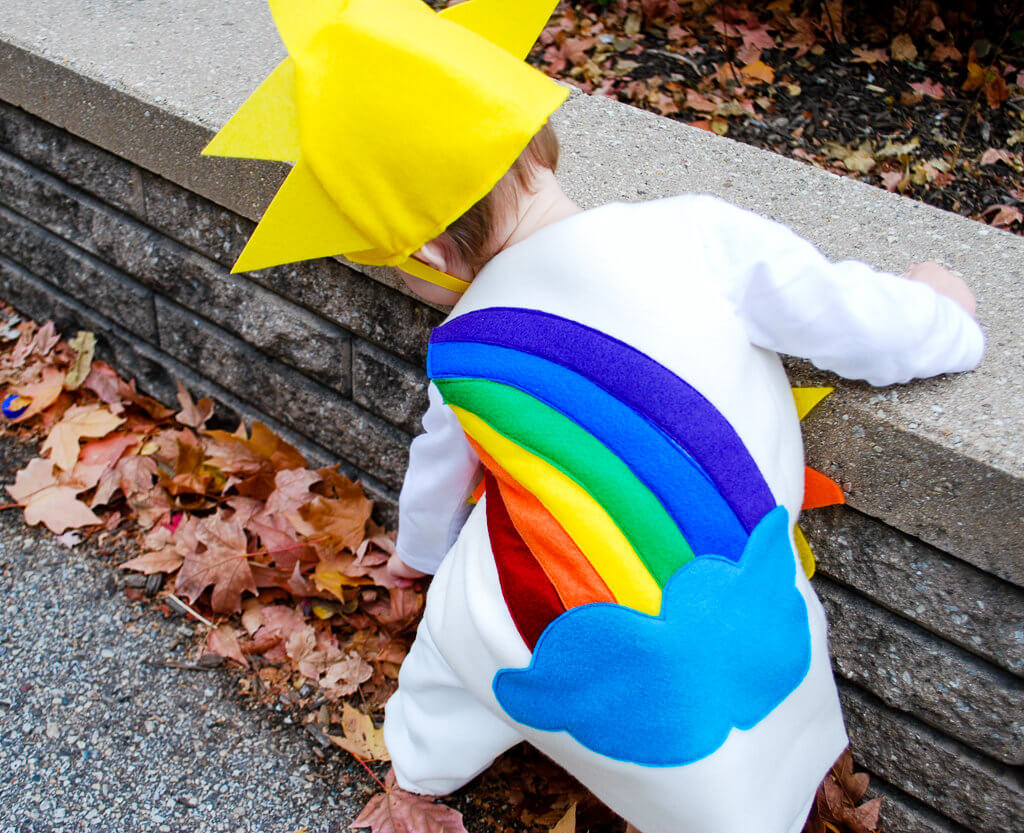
point(929, 649)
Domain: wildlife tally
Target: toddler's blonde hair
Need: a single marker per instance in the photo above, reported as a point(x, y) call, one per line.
point(472, 234)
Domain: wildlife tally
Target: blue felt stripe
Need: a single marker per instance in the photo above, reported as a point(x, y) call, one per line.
point(636, 379)
point(683, 488)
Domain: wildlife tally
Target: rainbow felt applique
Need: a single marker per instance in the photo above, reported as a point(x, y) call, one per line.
point(616, 495)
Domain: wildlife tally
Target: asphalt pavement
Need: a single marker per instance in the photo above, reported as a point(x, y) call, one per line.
point(97, 734)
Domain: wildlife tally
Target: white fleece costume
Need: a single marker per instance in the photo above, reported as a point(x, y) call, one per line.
point(698, 290)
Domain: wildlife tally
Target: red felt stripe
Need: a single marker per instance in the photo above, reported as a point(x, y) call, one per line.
point(567, 568)
point(820, 490)
point(529, 594)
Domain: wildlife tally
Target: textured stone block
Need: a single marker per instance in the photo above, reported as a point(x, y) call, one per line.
point(903, 814)
point(276, 326)
point(369, 309)
point(902, 475)
point(110, 178)
point(948, 776)
point(912, 670)
point(943, 594)
point(265, 320)
point(194, 221)
point(324, 417)
point(78, 274)
point(388, 386)
point(41, 301)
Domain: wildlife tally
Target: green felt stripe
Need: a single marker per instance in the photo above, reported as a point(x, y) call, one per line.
point(545, 432)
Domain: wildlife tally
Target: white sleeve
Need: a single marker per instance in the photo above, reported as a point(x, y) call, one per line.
point(845, 317)
point(433, 504)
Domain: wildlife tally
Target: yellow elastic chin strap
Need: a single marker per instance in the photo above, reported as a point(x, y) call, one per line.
point(428, 273)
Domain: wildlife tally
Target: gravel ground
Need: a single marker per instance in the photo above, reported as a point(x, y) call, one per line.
point(93, 737)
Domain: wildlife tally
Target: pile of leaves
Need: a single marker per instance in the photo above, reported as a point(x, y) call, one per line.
point(910, 101)
point(282, 566)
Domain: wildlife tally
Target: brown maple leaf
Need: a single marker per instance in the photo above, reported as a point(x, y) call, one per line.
point(291, 491)
point(344, 676)
point(281, 454)
point(46, 501)
point(359, 736)
point(193, 414)
point(223, 562)
point(99, 457)
point(398, 811)
point(42, 393)
point(78, 421)
point(224, 642)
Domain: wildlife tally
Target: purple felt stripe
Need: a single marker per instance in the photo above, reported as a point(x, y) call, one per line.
point(635, 379)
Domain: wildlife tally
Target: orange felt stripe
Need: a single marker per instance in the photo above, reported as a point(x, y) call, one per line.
point(820, 490)
point(574, 578)
point(478, 491)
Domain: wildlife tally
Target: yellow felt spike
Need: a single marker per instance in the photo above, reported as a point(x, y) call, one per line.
point(803, 549)
point(266, 126)
point(301, 223)
point(299, 21)
point(514, 25)
point(807, 398)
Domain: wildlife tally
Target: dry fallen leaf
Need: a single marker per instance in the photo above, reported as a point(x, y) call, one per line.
point(79, 421)
point(902, 48)
point(36, 488)
point(223, 562)
point(165, 560)
point(223, 642)
point(758, 71)
point(360, 736)
point(193, 414)
point(84, 345)
point(398, 811)
point(42, 393)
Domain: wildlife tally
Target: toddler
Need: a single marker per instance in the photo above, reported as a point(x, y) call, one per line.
point(624, 593)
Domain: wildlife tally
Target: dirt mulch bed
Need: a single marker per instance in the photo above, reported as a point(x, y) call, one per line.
point(922, 104)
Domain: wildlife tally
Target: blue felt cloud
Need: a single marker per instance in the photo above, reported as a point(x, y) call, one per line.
point(731, 643)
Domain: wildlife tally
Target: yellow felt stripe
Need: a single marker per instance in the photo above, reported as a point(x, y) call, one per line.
point(803, 549)
point(428, 273)
point(807, 398)
point(594, 532)
point(266, 126)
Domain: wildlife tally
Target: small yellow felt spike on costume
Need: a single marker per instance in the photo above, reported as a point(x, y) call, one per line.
point(398, 120)
point(807, 398)
point(266, 126)
point(514, 26)
point(803, 549)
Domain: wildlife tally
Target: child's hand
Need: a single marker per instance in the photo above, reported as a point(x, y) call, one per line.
point(402, 573)
point(944, 282)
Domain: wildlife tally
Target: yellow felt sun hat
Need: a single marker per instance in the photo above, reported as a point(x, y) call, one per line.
point(397, 119)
